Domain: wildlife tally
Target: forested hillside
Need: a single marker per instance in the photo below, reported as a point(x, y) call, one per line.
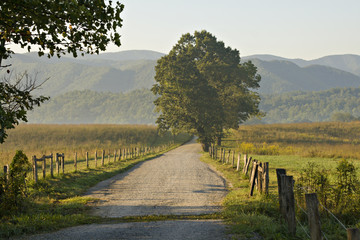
point(135, 107)
point(310, 106)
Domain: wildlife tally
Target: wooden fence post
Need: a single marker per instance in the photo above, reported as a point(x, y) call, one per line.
point(51, 165)
point(95, 159)
point(246, 168)
point(63, 163)
point(279, 172)
point(57, 164)
point(108, 156)
point(115, 155)
point(312, 206)
point(35, 169)
point(353, 234)
point(253, 176)
point(238, 163)
point(75, 161)
point(289, 202)
point(259, 178)
point(228, 158)
point(87, 159)
point(44, 166)
point(266, 177)
point(102, 157)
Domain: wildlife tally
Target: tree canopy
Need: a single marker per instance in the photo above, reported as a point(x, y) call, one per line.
point(203, 88)
point(55, 28)
point(65, 26)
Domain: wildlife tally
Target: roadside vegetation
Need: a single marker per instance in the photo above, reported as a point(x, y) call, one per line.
point(54, 203)
point(322, 157)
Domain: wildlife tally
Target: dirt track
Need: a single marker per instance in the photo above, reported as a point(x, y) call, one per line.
point(177, 183)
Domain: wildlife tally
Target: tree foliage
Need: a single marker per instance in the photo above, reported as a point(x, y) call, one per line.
point(65, 26)
point(203, 88)
point(59, 27)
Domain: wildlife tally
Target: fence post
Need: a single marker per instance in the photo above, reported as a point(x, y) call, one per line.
point(312, 206)
point(289, 202)
point(87, 159)
point(51, 165)
point(253, 177)
point(108, 156)
point(35, 169)
point(102, 157)
point(266, 177)
point(63, 162)
point(353, 234)
point(75, 161)
point(246, 168)
point(115, 155)
point(57, 164)
point(279, 172)
point(44, 166)
point(238, 163)
point(228, 158)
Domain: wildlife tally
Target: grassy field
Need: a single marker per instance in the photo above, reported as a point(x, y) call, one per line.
point(44, 139)
point(293, 147)
point(326, 139)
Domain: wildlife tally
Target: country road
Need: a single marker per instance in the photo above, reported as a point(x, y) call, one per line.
point(176, 183)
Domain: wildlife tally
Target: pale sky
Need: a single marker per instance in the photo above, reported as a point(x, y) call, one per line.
point(305, 29)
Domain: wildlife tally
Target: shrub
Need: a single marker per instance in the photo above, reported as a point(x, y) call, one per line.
point(13, 189)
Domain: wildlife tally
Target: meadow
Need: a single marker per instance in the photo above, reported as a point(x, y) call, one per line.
point(44, 139)
point(296, 147)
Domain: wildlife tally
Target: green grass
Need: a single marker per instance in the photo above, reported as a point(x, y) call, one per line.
point(259, 215)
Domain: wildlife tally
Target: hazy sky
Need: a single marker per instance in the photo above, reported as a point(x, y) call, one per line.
point(305, 29)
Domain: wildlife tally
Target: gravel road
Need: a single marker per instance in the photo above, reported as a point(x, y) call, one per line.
point(176, 183)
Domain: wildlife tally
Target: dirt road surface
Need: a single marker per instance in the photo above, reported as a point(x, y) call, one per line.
point(176, 183)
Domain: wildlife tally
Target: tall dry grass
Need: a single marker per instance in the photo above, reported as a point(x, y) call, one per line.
point(326, 139)
point(43, 139)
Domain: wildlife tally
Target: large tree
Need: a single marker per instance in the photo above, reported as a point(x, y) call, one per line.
point(52, 28)
point(203, 88)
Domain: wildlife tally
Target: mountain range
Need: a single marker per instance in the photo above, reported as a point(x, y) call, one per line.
point(114, 87)
point(129, 70)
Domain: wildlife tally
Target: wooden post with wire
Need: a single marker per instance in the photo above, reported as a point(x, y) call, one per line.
point(353, 234)
point(312, 206)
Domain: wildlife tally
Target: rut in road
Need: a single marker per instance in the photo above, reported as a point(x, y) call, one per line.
point(176, 183)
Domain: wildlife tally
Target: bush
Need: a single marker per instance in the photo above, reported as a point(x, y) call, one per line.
point(13, 189)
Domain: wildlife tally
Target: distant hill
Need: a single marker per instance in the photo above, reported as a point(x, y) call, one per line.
point(346, 62)
point(92, 73)
point(135, 107)
point(280, 76)
point(129, 70)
